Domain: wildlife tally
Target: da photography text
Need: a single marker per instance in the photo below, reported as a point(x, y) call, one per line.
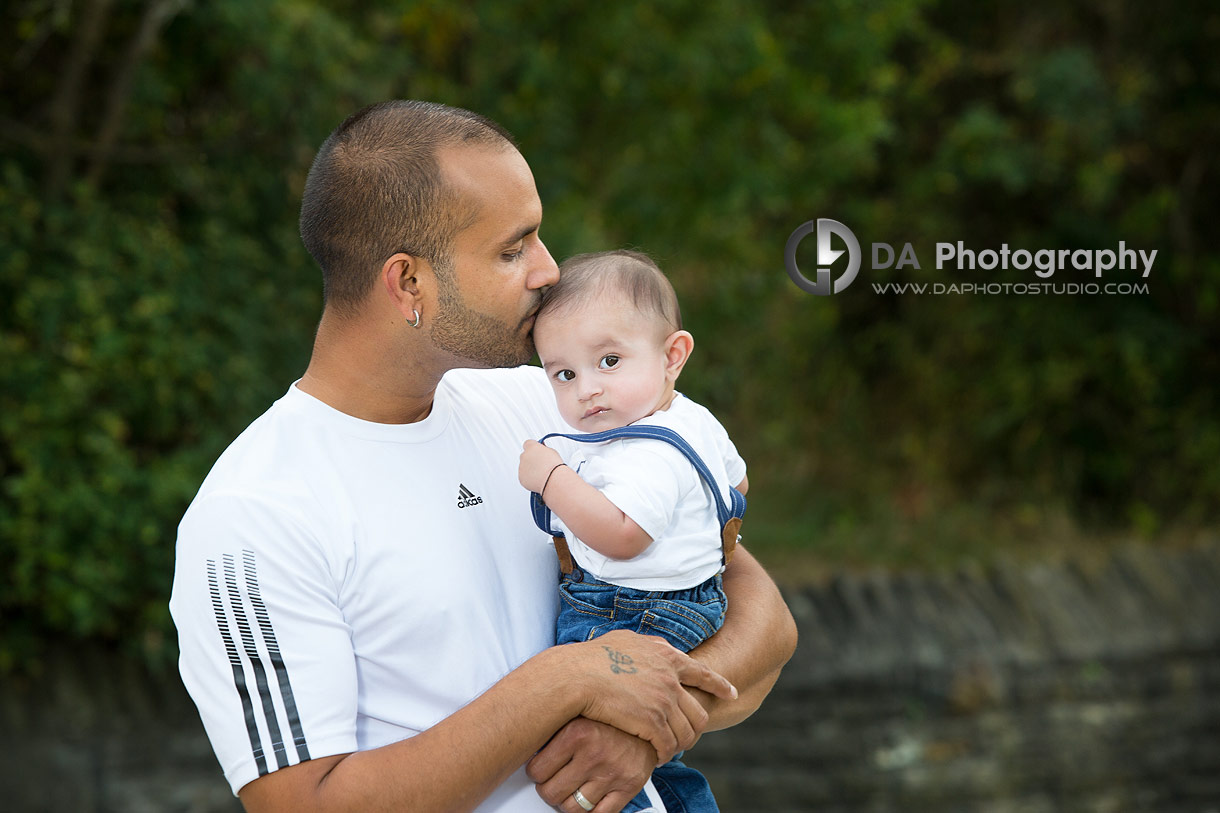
point(958, 255)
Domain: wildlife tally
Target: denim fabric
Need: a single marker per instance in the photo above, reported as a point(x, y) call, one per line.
point(589, 607)
point(681, 788)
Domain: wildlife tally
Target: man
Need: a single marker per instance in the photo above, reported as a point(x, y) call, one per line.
point(365, 610)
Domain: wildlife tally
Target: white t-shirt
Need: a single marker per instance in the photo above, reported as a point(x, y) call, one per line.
point(341, 585)
point(654, 484)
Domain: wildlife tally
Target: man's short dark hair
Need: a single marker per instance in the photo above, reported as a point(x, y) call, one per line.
point(376, 188)
point(632, 274)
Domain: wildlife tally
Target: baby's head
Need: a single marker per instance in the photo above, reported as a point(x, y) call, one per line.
point(610, 337)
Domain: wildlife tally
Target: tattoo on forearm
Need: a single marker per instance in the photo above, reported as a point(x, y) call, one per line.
point(619, 663)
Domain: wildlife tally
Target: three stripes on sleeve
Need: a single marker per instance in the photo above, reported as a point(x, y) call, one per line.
point(239, 599)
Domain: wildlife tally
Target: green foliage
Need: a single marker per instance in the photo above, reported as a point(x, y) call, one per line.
point(154, 297)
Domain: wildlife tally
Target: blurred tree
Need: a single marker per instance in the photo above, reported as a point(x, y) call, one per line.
point(154, 296)
point(153, 293)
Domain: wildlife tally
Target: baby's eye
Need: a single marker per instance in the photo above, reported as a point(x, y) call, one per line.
point(565, 375)
point(608, 361)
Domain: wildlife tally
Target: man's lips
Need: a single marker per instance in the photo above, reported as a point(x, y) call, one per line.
point(531, 316)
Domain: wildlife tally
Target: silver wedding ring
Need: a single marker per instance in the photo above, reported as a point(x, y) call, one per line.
point(584, 803)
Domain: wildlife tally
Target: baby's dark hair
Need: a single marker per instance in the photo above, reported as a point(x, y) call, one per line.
point(633, 274)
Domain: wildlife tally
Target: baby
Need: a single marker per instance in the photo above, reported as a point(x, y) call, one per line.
point(640, 522)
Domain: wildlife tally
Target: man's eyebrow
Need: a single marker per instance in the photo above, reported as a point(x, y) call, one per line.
point(520, 235)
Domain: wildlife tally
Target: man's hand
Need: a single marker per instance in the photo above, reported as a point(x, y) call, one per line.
point(537, 462)
point(637, 683)
point(608, 766)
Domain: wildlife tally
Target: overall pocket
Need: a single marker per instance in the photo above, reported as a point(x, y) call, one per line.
point(684, 624)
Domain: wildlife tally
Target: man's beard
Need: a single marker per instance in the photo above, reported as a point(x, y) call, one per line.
point(478, 338)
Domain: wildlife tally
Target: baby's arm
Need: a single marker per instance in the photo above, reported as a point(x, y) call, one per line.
point(587, 512)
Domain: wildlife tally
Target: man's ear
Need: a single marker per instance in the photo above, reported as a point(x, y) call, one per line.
point(678, 347)
point(408, 280)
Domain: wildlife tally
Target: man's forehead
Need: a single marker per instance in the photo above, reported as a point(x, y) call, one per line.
point(495, 185)
point(471, 163)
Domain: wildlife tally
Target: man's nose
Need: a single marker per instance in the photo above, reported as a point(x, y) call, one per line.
point(545, 272)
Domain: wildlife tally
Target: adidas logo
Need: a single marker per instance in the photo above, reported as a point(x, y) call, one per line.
point(466, 497)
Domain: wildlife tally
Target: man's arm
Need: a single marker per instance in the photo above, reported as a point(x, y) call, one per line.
point(757, 639)
point(455, 764)
point(242, 560)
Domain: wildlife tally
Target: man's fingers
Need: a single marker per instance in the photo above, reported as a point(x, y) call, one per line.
point(572, 776)
point(594, 758)
point(594, 791)
point(664, 740)
point(612, 802)
point(547, 763)
point(698, 676)
point(683, 728)
point(697, 716)
point(693, 673)
point(652, 701)
point(558, 793)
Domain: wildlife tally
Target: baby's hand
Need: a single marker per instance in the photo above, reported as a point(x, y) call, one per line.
point(537, 461)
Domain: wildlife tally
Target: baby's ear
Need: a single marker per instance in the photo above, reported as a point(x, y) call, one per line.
point(678, 347)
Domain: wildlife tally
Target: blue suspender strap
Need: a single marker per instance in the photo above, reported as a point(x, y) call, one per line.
point(729, 515)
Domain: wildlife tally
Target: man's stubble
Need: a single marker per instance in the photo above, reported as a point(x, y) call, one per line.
point(478, 338)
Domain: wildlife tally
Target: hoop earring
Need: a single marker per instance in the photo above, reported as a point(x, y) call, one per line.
point(417, 318)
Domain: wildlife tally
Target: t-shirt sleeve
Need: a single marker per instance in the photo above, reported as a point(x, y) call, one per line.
point(645, 479)
point(734, 465)
point(265, 652)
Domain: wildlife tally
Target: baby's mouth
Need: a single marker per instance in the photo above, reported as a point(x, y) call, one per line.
point(596, 411)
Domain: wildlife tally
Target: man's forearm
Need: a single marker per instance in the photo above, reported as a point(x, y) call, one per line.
point(452, 766)
point(757, 639)
point(455, 764)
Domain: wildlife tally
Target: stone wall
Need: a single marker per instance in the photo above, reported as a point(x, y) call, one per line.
point(1065, 687)
point(1040, 688)
point(97, 734)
